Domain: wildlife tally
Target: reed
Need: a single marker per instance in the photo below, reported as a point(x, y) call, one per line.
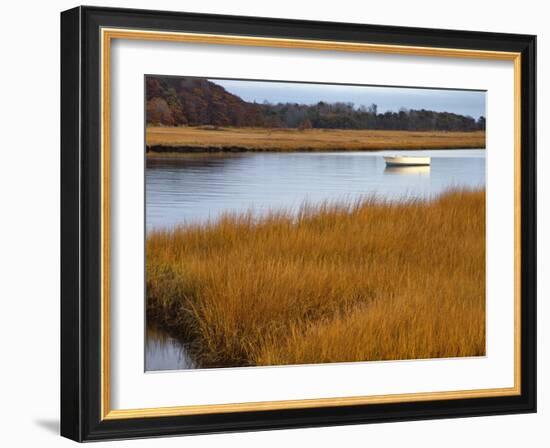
point(357, 281)
point(195, 139)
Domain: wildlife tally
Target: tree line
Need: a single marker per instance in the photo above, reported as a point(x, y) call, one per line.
point(172, 101)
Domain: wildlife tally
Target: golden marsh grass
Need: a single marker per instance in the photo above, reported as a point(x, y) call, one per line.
point(263, 139)
point(362, 281)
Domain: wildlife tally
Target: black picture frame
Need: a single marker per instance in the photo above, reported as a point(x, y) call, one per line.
point(81, 224)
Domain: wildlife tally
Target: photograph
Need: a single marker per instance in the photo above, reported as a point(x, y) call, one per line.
point(293, 223)
point(272, 223)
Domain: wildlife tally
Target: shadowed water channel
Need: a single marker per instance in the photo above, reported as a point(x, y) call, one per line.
point(196, 188)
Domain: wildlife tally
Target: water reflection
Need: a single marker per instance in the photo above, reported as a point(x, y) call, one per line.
point(200, 162)
point(418, 170)
point(163, 352)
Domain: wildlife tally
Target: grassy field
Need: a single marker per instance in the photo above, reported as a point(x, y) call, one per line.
point(356, 282)
point(189, 139)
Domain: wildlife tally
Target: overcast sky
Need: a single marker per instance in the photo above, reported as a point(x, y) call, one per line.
point(387, 98)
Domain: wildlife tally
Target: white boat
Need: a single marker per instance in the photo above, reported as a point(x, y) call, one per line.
point(407, 160)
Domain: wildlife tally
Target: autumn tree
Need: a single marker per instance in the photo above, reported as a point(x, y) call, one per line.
point(159, 113)
point(306, 124)
point(173, 101)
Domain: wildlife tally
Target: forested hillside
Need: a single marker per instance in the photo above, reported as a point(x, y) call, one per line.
point(174, 101)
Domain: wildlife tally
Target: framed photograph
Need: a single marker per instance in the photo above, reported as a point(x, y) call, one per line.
point(276, 224)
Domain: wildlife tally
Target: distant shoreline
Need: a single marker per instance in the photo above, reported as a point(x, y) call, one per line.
point(189, 140)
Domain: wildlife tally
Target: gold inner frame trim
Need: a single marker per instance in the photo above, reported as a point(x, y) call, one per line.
point(107, 35)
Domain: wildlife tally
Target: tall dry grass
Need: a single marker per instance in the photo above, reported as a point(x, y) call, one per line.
point(354, 282)
point(261, 139)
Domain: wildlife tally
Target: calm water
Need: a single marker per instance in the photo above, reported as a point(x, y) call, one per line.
point(196, 188)
point(163, 352)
